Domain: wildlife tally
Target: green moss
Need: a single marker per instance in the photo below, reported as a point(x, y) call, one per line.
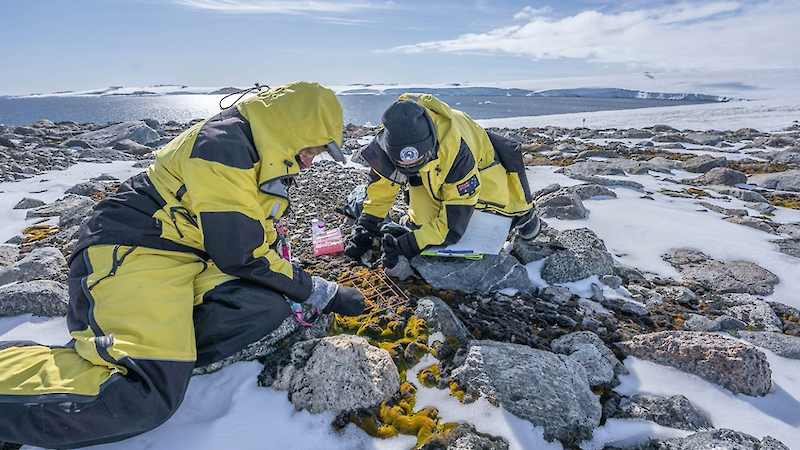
point(429, 377)
point(457, 391)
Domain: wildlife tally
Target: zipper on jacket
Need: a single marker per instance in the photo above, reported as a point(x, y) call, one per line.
point(183, 212)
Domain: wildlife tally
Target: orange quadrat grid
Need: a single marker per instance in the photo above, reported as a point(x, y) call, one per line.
point(380, 292)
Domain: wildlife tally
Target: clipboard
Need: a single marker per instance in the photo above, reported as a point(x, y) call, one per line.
point(485, 235)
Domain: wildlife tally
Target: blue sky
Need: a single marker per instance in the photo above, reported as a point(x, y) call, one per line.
point(57, 45)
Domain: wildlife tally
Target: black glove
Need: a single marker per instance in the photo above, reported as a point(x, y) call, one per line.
point(359, 243)
point(347, 302)
point(393, 247)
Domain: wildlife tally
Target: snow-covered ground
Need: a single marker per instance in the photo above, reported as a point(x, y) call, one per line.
point(227, 409)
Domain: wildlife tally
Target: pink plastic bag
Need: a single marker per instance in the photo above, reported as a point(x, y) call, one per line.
point(328, 241)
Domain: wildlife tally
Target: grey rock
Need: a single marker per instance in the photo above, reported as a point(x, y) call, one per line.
point(789, 246)
point(561, 204)
point(783, 181)
point(28, 203)
point(76, 143)
point(28, 131)
point(137, 131)
point(665, 165)
point(741, 194)
point(763, 208)
point(703, 163)
point(41, 298)
point(728, 323)
point(59, 207)
point(778, 343)
point(601, 366)
point(753, 311)
point(592, 309)
point(338, 373)
point(132, 147)
point(5, 142)
point(751, 222)
point(696, 322)
point(703, 138)
point(488, 274)
point(542, 246)
point(9, 254)
point(587, 191)
point(788, 156)
point(583, 255)
point(45, 262)
point(611, 281)
point(718, 439)
point(87, 188)
point(723, 277)
point(464, 437)
point(673, 412)
point(792, 229)
point(681, 295)
point(738, 367)
point(440, 317)
point(559, 295)
point(104, 155)
point(724, 211)
point(780, 141)
point(722, 176)
point(402, 270)
point(550, 391)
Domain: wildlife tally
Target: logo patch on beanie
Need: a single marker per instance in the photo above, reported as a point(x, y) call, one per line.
point(468, 187)
point(409, 154)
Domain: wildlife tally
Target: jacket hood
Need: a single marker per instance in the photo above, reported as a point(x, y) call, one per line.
point(289, 118)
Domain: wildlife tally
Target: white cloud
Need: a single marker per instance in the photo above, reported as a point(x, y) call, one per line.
point(529, 12)
point(276, 6)
point(688, 35)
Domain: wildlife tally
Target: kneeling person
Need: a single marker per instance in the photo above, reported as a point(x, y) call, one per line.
point(451, 167)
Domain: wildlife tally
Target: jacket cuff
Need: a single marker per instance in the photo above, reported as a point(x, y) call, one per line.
point(370, 223)
point(301, 285)
point(408, 245)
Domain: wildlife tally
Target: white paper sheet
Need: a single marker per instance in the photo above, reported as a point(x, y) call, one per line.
point(486, 234)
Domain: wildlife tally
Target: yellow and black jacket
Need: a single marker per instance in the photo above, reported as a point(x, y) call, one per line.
point(472, 170)
point(216, 189)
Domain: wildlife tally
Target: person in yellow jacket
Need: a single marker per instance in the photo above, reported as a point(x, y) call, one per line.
point(176, 270)
point(451, 167)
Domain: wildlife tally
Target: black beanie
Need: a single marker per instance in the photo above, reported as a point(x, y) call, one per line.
point(408, 131)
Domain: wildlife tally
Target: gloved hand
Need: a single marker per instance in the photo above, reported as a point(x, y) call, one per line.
point(359, 242)
point(394, 247)
point(330, 297)
point(347, 302)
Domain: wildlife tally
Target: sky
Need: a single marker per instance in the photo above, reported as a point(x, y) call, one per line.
point(55, 45)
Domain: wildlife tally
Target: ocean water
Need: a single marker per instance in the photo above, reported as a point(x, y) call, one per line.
point(358, 109)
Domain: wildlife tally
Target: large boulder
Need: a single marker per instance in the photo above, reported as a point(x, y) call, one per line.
point(602, 367)
point(582, 255)
point(719, 439)
point(132, 147)
point(778, 343)
point(723, 277)
point(338, 373)
point(562, 204)
point(721, 176)
point(550, 391)
point(41, 298)
point(489, 274)
point(137, 131)
point(782, 181)
point(47, 262)
point(68, 203)
point(673, 412)
point(738, 367)
point(703, 163)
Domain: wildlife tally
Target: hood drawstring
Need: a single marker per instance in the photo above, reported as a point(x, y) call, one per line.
point(244, 92)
